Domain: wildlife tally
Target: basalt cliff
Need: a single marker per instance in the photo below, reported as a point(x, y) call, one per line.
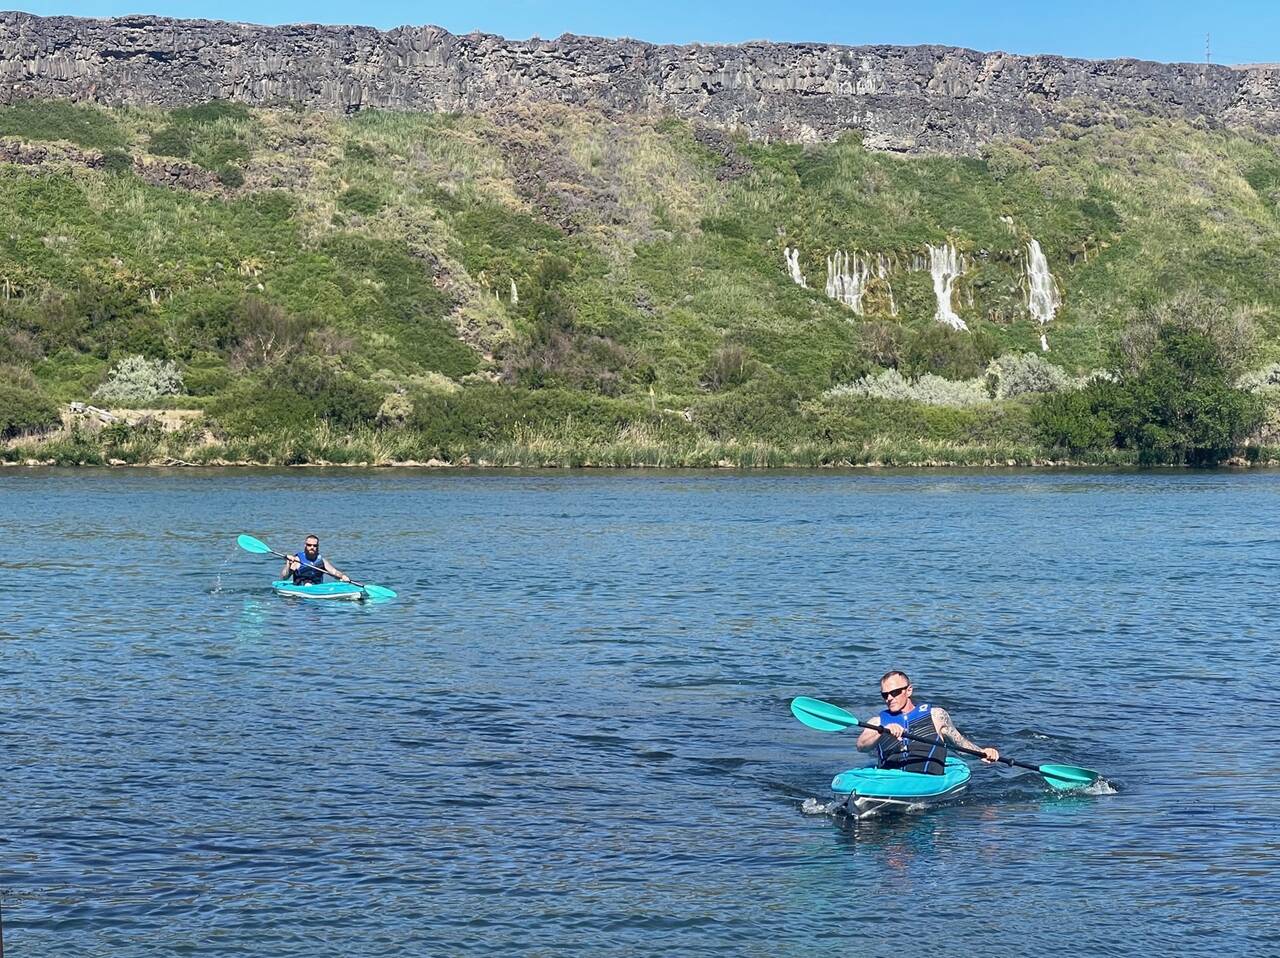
point(907, 99)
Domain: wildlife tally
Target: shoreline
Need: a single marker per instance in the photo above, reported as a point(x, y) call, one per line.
point(1047, 465)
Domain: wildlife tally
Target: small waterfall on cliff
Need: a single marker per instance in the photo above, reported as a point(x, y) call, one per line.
point(946, 265)
point(1042, 291)
point(792, 256)
point(847, 279)
point(882, 273)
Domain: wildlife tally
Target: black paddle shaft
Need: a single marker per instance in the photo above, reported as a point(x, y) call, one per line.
point(958, 748)
point(309, 565)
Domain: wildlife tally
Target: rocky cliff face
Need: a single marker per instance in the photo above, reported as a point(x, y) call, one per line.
point(913, 99)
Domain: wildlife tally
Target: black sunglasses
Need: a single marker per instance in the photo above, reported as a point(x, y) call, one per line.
point(893, 693)
point(312, 545)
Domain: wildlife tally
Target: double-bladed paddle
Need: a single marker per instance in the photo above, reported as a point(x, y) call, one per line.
point(826, 717)
point(258, 547)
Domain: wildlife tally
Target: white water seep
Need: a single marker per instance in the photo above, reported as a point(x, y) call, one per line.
point(847, 279)
point(850, 276)
point(1042, 291)
point(792, 256)
point(882, 273)
point(946, 265)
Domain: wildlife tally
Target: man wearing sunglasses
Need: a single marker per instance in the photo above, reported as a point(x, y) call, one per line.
point(925, 721)
point(308, 567)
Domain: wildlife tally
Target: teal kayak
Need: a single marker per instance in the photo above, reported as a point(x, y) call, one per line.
point(871, 789)
point(325, 590)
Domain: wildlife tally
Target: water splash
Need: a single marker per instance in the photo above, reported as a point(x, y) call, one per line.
point(1100, 787)
point(946, 265)
point(814, 806)
point(792, 256)
point(1042, 291)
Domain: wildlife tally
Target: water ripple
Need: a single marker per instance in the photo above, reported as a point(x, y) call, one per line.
point(570, 733)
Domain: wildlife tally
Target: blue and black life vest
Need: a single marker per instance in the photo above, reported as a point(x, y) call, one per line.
point(305, 574)
point(929, 758)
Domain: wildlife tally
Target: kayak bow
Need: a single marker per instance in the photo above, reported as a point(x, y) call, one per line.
point(322, 590)
point(871, 789)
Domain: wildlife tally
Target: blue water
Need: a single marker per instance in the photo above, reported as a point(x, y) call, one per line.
point(570, 733)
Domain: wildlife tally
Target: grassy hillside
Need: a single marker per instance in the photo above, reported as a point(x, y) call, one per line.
point(341, 289)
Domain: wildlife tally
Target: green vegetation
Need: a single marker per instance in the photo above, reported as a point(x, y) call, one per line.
point(214, 135)
point(556, 287)
point(53, 120)
point(1178, 406)
point(24, 410)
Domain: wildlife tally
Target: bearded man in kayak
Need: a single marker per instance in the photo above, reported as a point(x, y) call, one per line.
point(308, 567)
point(925, 721)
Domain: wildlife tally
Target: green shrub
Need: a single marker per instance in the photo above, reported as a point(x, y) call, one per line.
point(69, 375)
point(211, 134)
point(25, 411)
point(212, 112)
point(298, 394)
point(949, 353)
point(395, 410)
point(250, 409)
point(75, 449)
point(230, 176)
point(450, 424)
point(1178, 406)
point(360, 201)
point(730, 366)
point(206, 375)
point(852, 420)
point(117, 161)
point(336, 397)
point(263, 334)
point(765, 409)
point(84, 125)
point(1075, 421)
point(1181, 406)
point(170, 141)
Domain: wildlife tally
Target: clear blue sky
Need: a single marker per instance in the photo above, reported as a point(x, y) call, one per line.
point(1247, 31)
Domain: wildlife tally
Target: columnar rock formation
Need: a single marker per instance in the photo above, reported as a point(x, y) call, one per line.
point(914, 99)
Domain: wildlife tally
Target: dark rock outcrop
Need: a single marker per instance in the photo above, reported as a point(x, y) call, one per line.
point(925, 98)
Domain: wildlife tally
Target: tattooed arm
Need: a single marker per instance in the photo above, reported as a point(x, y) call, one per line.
point(947, 729)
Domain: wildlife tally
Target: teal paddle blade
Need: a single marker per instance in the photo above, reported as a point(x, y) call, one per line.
point(250, 544)
point(823, 716)
point(379, 592)
point(1063, 777)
